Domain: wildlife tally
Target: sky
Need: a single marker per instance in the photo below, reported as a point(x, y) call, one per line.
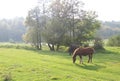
point(15, 8)
point(107, 10)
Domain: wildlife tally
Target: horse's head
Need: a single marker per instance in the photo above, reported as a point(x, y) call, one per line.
point(74, 55)
point(74, 59)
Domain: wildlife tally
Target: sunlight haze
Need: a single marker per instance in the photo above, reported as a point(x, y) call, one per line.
point(15, 8)
point(107, 10)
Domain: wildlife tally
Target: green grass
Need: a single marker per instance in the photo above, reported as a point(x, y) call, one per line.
point(32, 65)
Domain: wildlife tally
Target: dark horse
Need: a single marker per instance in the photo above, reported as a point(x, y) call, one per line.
point(83, 52)
point(72, 48)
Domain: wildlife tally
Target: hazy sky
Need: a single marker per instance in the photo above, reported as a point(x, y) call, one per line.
point(15, 8)
point(107, 10)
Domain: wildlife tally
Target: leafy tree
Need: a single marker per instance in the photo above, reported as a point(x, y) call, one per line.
point(114, 41)
point(86, 28)
point(34, 23)
point(64, 23)
point(69, 23)
point(54, 34)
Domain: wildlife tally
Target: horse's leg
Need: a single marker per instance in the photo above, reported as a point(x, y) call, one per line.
point(81, 59)
point(89, 57)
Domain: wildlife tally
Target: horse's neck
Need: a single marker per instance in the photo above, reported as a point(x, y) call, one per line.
point(74, 53)
point(74, 56)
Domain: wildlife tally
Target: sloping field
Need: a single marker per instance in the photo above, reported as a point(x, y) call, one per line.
point(33, 65)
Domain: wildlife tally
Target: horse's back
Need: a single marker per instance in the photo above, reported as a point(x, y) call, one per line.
point(89, 49)
point(85, 51)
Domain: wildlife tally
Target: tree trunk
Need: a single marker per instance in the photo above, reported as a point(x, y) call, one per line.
point(57, 49)
point(37, 46)
point(51, 47)
point(40, 41)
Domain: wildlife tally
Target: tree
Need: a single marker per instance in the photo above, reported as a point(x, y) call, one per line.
point(75, 15)
point(34, 23)
point(54, 34)
point(55, 28)
point(85, 29)
point(68, 23)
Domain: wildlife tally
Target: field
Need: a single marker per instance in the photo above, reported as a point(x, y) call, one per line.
point(17, 64)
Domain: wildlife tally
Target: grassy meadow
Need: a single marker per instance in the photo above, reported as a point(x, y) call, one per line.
point(21, 64)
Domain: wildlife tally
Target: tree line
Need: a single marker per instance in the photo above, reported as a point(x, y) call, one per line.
point(11, 30)
point(57, 23)
point(61, 22)
point(109, 29)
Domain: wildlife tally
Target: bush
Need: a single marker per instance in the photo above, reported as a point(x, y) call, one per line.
point(114, 41)
point(98, 44)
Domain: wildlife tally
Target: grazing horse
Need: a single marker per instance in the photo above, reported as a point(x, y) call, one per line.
point(83, 52)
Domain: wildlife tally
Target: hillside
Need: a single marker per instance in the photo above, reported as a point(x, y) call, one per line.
point(109, 29)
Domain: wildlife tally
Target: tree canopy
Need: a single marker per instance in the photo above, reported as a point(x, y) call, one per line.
point(62, 23)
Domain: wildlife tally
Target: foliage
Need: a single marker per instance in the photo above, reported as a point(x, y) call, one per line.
point(98, 44)
point(16, 46)
point(114, 41)
point(69, 23)
point(54, 33)
point(61, 23)
point(44, 65)
point(11, 29)
point(86, 28)
point(34, 23)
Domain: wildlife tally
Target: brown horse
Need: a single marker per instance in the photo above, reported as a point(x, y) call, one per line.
point(83, 52)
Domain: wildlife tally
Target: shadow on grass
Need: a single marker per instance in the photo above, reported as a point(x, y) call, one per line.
point(90, 66)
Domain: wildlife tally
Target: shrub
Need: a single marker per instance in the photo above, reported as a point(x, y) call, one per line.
point(114, 41)
point(98, 44)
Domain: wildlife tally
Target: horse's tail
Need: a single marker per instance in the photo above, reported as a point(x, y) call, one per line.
point(74, 53)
